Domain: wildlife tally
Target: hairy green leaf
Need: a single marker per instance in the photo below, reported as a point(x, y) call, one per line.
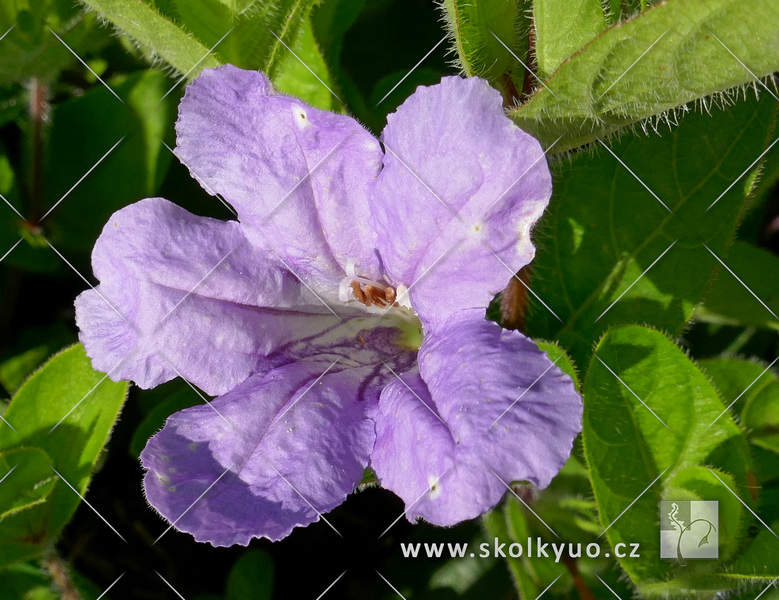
point(761, 559)
point(67, 410)
point(562, 28)
point(158, 35)
point(561, 360)
point(651, 419)
point(27, 480)
point(670, 54)
point(250, 35)
point(304, 74)
point(30, 49)
point(14, 370)
point(753, 301)
point(132, 170)
point(750, 390)
point(484, 33)
point(737, 380)
point(602, 240)
point(760, 417)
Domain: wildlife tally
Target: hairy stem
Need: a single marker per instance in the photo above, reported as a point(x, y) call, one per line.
point(578, 580)
point(60, 575)
point(39, 115)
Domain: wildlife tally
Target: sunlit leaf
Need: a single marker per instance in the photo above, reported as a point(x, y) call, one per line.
point(672, 53)
point(67, 410)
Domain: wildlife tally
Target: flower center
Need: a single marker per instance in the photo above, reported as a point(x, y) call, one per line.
point(373, 293)
point(394, 301)
point(370, 292)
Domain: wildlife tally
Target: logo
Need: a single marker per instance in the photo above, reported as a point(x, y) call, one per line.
point(688, 529)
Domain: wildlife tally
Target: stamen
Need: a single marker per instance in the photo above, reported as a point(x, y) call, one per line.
point(365, 291)
point(358, 293)
point(371, 294)
point(377, 296)
point(370, 282)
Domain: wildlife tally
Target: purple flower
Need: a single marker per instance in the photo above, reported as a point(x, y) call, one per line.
point(341, 320)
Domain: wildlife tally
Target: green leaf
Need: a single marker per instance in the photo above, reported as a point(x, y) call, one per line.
point(661, 59)
point(24, 581)
point(15, 370)
point(561, 360)
point(194, 34)
point(330, 21)
point(567, 505)
point(751, 391)
point(769, 178)
point(737, 380)
point(532, 573)
point(766, 470)
point(158, 35)
point(562, 28)
point(497, 528)
point(750, 572)
point(30, 49)
point(354, 36)
point(27, 480)
point(251, 577)
point(67, 410)
point(466, 576)
point(760, 417)
point(254, 32)
point(478, 30)
point(28, 581)
point(602, 237)
point(730, 302)
point(294, 77)
point(34, 346)
point(675, 427)
point(761, 559)
point(700, 483)
point(132, 170)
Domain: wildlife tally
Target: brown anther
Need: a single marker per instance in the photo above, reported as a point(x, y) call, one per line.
point(358, 293)
point(370, 295)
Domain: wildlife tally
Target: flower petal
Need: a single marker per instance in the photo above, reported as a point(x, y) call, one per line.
point(486, 407)
point(282, 449)
point(296, 175)
point(186, 295)
point(157, 241)
point(460, 181)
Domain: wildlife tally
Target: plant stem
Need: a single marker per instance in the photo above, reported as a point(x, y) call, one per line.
point(60, 575)
point(39, 115)
point(578, 580)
